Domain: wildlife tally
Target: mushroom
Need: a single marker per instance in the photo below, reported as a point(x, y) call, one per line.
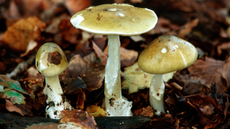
point(50, 62)
point(163, 55)
point(114, 20)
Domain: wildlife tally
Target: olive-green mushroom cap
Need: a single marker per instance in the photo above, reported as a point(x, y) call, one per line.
point(115, 19)
point(50, 60)
point(167, 54)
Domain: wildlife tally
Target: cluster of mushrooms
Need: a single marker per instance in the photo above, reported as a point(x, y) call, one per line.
point(163, 55)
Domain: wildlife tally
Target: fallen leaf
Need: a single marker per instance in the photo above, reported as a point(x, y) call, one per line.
point(206, 70)
point(14, 108)
point(73, 85)
point(140, 99)
point(32, 73)
point(119, 1)
point(13, 10)
point(136, 1)
point(228, 31)
point(164, 26)
point(2, 67)
point(34, 88)
point(100, 41)
point(223, 50)
point(47, 125)
point(11, 84)
point(81, 98)
point(137, 38)
point(76, 118)
point(207, 109)
point(186, 29)
point(100, 54)
point(75, 6)
point(226, 72)
point(77, 66)
point(127, 57)
point(13, 96)
point(146, 111)
point(136, 79)
point(91, 71)
point(68, 33)
point(32, 44)
point(22, 32)
point(32, 7)
point(95, 111)
point(1, 88)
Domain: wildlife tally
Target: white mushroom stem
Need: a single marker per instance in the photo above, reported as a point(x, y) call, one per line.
point(156, 94)
point(56, 101)
point(115, 104)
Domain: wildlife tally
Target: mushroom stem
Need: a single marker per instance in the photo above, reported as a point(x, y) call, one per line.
point(156, 94)
point(115, 103)
point(53, 89)
point(112, 69)
point(56, 102)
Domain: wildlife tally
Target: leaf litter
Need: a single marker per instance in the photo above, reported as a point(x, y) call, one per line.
point(195, 97)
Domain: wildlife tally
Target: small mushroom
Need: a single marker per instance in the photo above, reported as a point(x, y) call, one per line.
point(114, 20)
point(50, 62)
point(163, 55)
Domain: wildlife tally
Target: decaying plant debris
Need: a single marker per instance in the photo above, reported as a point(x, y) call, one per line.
point(195, 97)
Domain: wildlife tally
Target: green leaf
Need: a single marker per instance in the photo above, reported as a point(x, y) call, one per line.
point(11, 84)
point(1, 88)
point(14, 96)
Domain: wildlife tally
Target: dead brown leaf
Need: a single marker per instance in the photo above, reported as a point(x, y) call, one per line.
point(207, 70)
point(32, 44)
point(223, 50)
point(13, 10)
point(77, 118)
point(67, 32)
point(207, 109)
point(164, 26)
point(29, 8)
point(34, 87)
point(136, 1)
point(75, 6)
point(145, 111)
point(128, 57)
point(212, 72)
point(100, 54)
point(100, 41)
point(226, 72)
point(91, 71)
point(119, 1)
point(186, 29)
point(22, 32)
point(43, 126)
point(21, 109)
point(140, 99)
point(2, 67)
point(12, 108)
point(81, 97)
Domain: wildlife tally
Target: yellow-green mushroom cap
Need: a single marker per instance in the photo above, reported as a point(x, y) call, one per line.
point(50, 60)
point(115, 19)
point(167, 54)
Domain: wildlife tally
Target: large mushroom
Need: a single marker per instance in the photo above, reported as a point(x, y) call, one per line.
point(50, 62)
point(114, 20)
point(163, 55)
